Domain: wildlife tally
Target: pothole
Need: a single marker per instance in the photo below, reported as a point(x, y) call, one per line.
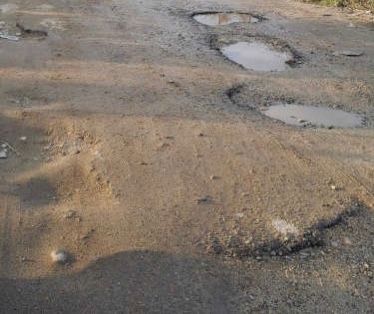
point(19, 32)
point(287, 239)
point(222, 18)
point(314, 116)
point(257, 56)
point(31, 33)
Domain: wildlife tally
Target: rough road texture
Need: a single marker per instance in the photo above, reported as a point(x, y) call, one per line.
point(148, 160)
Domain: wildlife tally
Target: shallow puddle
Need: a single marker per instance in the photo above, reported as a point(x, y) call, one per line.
point(216, 19)
point(317, 116)
point(257, 56)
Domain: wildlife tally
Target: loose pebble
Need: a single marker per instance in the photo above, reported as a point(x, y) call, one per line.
point(3, 154)
point(334, 243)
point(70, 214)
point(59, 256)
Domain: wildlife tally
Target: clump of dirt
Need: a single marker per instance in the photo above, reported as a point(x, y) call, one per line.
point(54, 164)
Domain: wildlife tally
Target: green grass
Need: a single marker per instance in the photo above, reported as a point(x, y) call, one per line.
point(357, 4)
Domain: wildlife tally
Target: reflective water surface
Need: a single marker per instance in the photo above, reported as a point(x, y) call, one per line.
point(257, 56)
point(310, 115)
point(216, 19)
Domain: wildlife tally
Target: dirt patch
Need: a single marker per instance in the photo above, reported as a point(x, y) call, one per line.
point(37, 192)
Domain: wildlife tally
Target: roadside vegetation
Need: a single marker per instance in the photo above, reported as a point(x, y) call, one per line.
point(356, 4)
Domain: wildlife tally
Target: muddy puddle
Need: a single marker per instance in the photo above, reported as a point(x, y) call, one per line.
point(257, 56)
point(217, 19)
point(313, 116)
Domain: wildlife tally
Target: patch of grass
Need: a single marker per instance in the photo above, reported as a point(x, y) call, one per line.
point(357, 4)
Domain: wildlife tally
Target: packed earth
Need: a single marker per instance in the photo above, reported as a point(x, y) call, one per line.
point(183, 156)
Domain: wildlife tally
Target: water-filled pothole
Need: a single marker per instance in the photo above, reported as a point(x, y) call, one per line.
point(257, 56)
point(216, 19)
point(314, 116)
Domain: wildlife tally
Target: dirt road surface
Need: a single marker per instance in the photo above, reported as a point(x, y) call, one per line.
point(135, 146)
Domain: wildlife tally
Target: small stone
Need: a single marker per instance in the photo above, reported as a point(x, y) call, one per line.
point(334, 243)
point(205, 199)
point(239, 215)
point(23, 138)
point(59, 256)
point(215, 246)
point(214, 177)
point(347, 241)
point(3, 154)
point(285, 228)
point(333, 187)
point(70, 214)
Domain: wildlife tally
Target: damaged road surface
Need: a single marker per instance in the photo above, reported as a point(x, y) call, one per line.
point(139, 172)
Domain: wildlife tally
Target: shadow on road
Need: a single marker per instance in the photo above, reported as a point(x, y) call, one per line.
point(127, 282)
